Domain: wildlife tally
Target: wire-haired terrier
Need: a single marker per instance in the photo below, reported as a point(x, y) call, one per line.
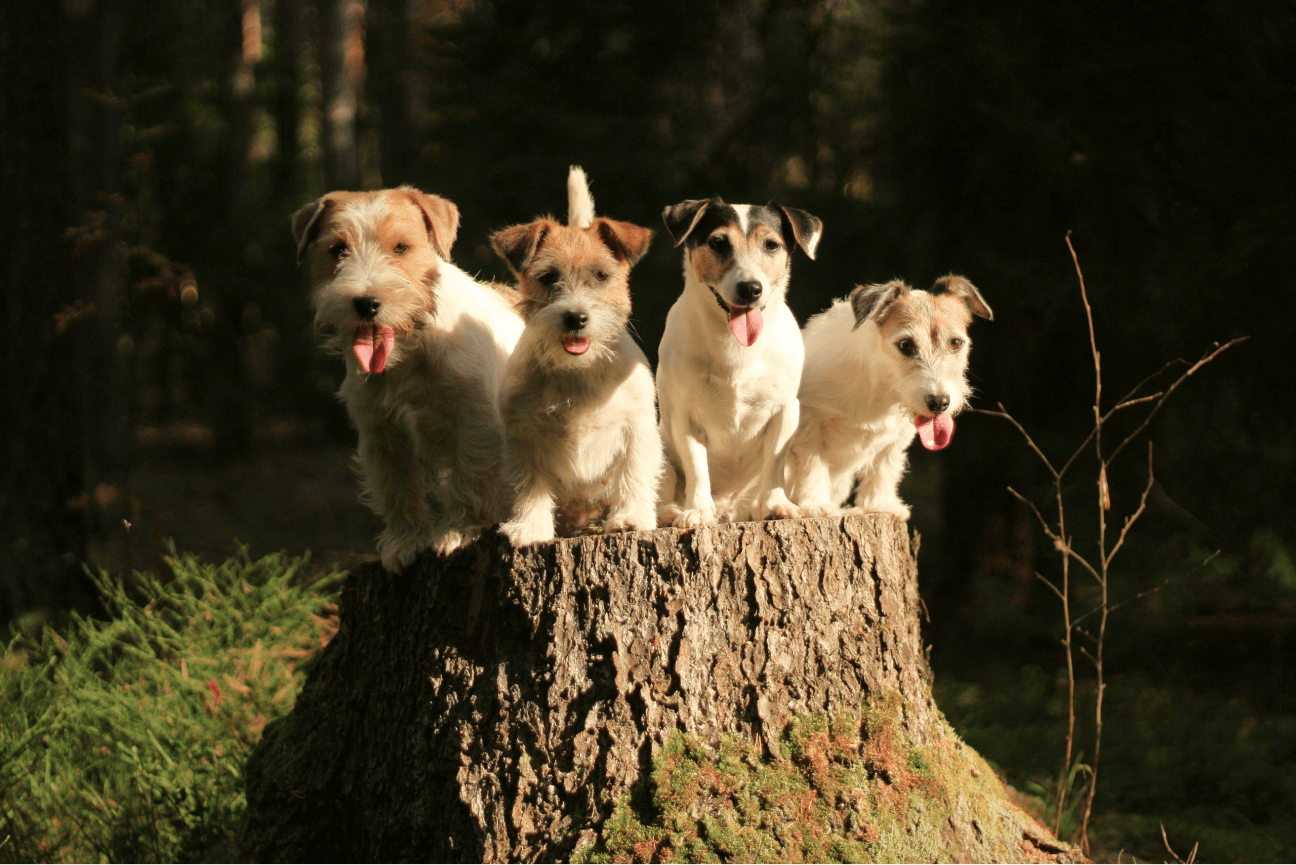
point(885, 364)
point(425, 348)
point(730, 361)
point(578, 400)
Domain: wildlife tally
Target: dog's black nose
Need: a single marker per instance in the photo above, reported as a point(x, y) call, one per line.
point(575, 320)
point(937, 402)
point(366, 307)
point(748, 292)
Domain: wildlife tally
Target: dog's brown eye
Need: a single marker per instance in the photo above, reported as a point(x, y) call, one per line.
point(401, 248)
point(601, 276)
point(907, 347)
point(719, 243)
point(772, 245)
point(549, 278)
point(338, 250)
point(956, 344)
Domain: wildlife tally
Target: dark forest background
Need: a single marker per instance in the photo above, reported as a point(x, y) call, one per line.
point(161, 379)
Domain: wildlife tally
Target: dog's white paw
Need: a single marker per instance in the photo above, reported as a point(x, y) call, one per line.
point(399, 548)
point(820, 509)
point(692, 518)
point(667, 514)
point(887, 506)
point(447, 539)
point(629, 523)
point(777, 507)
point(524, 532)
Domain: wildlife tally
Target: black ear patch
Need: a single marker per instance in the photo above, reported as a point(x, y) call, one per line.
point(806, 229)
point(682, 218)
point(306, 224)
point(966, 292)
point(875, 301)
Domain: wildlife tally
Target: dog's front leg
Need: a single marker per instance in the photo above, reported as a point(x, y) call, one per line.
point(772, 502)
point(879, 483)
point(533, 514)
point(476, 489)
point(392, 485)
point(808, 477)
point(698, 507)
point(635, 485)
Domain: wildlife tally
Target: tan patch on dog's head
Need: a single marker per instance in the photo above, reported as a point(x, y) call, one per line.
point(386, 246)
point(548, 258)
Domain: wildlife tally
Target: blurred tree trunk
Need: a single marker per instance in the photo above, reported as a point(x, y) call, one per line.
point(230, 380)
point(398, 84)
point(288, 81)
point(344, 67)
point(61, 442)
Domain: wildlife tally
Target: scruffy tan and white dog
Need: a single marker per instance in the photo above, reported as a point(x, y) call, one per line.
point(425, 347)
point(730, 362)
point(886, 363)
point(578, 400)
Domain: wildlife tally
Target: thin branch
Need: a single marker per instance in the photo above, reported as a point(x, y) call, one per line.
point(1152, 591)
point(1192, 854)
point(1043, 522)
point(1058, 544)
point(1003, 413)
point(1092, 659)
point(1138, 387)
point(1205, 359)
point(1049, 583)
point(1128, 403)
point(1093, 341)
point(1132, 518)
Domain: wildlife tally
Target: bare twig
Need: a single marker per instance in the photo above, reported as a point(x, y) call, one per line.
point(1046, 581)
point(1205, 359)
point(1192, 854)
point(1003, 413)
point(1106, 555)
point(1133, 518)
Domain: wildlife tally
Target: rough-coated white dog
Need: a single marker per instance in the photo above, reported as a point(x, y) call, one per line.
point(425, 347)
point(730, 362)
point(578, 401)
point(885, 364)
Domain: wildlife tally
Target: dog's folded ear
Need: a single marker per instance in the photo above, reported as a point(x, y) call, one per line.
point(440, 216)
point(966, 292)
point(627, 241)
point(682, 218)
point(306, 224)
point(518, 244)
point(875, 301)
point(806, 229)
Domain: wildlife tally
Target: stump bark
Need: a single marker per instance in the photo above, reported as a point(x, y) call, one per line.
point(497, 704)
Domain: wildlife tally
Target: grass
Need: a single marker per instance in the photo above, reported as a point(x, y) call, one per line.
point(1213, 768)
point(124, 740)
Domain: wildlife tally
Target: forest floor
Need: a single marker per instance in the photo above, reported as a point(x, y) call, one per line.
point(1200, 753)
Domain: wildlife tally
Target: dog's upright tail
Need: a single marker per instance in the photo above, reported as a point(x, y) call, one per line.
point(580, 204)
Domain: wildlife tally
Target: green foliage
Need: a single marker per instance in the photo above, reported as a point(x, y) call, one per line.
point(1185, 754)
point(125, 739)
point(848, 788)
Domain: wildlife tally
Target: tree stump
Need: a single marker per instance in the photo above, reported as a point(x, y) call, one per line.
point(496, 705)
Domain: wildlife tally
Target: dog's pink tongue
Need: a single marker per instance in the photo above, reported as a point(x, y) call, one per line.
point(935, 432)
point(373, 343)
point(746, 324)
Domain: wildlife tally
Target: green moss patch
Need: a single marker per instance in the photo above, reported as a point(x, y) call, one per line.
point(850, 788)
